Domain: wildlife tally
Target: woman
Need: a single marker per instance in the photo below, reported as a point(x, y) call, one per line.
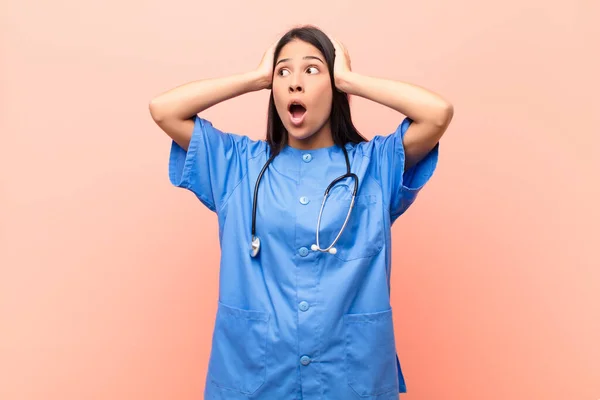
point(304, 310)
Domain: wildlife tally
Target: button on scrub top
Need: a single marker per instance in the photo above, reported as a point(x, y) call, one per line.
point(294, 323)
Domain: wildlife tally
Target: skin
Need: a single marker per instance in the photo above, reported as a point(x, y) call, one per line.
point(173, 111)
point(301, 74)
point(430, 113)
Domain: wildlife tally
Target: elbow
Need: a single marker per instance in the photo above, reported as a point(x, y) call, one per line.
point(443, 116)
point(157, 110)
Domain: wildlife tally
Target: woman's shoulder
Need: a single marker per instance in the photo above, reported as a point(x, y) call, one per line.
point(371, 147)
point(242, 141)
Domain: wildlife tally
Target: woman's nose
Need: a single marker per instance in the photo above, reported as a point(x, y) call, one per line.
point(295, 88)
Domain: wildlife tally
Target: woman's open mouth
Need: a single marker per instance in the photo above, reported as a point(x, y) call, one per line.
point(297, 112)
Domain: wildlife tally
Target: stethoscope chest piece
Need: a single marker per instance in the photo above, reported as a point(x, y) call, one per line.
point(255, 246)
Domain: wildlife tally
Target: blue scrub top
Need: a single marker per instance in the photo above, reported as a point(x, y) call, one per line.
point(293, 323)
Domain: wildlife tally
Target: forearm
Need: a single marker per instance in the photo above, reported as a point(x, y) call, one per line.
point(419, 104)
point(185, 101)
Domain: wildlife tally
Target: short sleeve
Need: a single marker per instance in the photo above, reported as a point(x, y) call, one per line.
point(401, 186)
point(212, 166)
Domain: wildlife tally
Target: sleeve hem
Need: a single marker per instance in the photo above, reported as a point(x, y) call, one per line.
point(182, 162)
point(416, 177)
point(413, 179)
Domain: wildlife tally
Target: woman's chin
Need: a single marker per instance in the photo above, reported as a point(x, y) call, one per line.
point(299, 133)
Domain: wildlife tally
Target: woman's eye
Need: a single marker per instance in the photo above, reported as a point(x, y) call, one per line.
point(313, 70)
point(283, 72)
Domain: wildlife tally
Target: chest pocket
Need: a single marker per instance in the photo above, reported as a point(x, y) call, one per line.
point(363, 236)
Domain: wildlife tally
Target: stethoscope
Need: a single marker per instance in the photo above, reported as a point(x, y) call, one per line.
point(255, 244)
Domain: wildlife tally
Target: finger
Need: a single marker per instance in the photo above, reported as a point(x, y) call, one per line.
point(275, 43)
point(343, 47)
point(339, 45)
point(278, 37)
point(333, 41)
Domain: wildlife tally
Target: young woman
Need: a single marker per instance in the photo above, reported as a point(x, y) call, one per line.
point(304, 221)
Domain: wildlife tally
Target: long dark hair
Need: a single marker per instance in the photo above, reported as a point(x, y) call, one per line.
point(342, 129)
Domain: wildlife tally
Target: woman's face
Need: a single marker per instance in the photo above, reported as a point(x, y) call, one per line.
point(302, 93)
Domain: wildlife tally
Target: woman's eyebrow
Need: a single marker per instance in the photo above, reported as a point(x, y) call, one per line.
point(304, 58)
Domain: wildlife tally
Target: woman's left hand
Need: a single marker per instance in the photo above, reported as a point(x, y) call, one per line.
point(341, 65)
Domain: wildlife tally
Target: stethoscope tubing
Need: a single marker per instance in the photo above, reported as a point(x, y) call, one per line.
point(255, 243)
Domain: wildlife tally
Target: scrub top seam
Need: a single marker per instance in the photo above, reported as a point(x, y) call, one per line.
point(384, 202)
point(296, 181)
point(237, 185)
point(297, 350)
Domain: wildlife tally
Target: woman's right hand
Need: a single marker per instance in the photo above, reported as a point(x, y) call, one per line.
point(174, 110)
point(265, 68)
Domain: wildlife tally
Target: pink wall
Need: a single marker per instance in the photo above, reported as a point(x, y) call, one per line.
point(108, 278)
